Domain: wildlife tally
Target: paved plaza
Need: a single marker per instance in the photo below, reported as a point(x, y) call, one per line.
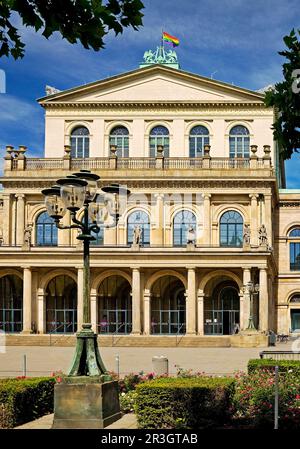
point(41, 361)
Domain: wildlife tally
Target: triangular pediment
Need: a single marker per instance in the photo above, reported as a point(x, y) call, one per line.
point(155, 84)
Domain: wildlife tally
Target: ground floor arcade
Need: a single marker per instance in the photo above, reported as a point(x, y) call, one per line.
point(137, 301)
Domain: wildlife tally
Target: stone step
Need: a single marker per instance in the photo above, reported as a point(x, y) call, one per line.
point(121, 340)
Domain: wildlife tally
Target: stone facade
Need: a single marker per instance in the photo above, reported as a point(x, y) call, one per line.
point(195, 288)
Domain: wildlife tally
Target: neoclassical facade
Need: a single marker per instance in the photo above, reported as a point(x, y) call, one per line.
point(207, 192)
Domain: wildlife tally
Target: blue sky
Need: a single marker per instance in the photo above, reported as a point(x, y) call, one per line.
point(237, 40)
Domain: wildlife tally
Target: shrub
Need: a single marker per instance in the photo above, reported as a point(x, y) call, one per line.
point(269, 364)
point(254, 398)
point(127, 401)
point(24, 399)
point(169, 403)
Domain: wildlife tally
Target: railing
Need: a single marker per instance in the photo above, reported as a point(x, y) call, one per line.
point(91, 163)
point(47, 163)
point(280, 355)
point(183, 162)
point(140, 163)
point(135, 163)
point(54, 331)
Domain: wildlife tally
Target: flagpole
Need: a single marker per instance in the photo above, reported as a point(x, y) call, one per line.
point(162, 38)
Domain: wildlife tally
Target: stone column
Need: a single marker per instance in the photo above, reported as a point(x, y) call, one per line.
point(191, 303)
point(27, 300)
point(20, 218)
point(136, 301)
point(207, 220)
point(245, 300)
point(79, 297)
point(7, 222)
point(147, 311)
point(41, 300)
point(263, 300)
point(94, 311)
point(254, 220)
point(200, 307)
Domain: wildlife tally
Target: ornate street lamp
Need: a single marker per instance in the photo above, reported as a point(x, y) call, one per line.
point(73, 193)
point(253, 290)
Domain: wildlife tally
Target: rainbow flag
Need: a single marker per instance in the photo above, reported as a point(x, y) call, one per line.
point(170, 39)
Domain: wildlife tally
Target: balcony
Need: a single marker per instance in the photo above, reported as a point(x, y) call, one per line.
point(17, 165)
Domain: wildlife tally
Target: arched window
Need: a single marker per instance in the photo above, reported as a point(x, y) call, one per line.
point(119, 136)
point(294, 235)
point(199, 136)
point(80, 142)
point(138, 218)
point(46, 230)
point(11, 302)
point(231, 229)
point(181, 223)
point(159, 135)
point(239, 142)
point(61, 305)
point(295, 298)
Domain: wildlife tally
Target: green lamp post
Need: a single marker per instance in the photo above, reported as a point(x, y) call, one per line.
point(253, 290)
point(74, 193)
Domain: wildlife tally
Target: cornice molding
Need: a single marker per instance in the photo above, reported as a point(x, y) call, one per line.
point(252, 184)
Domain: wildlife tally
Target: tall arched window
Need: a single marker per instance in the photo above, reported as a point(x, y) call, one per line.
point(119, 136)
point(181, 223)
point(239, 142)
point(199, 136)
point(80, 142)
point(294, 236)
point(159, 135)
point(46, 230)
point(138, 218)
point(61, 305)
point(11, 303)
point(231, 229)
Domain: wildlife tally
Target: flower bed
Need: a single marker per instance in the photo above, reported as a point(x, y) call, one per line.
point(254, 398)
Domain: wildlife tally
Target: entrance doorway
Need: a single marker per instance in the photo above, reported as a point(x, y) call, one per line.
point(222, 311)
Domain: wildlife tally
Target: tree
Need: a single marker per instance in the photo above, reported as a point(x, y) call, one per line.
point(285, 96)
point(85, 21)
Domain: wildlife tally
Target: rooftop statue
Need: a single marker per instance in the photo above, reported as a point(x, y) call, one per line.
point(160, 56)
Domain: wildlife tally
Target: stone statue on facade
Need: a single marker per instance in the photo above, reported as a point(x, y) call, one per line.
point(27, 236)
point(246, 235)
point(191, 236)
point(137, 235)
point(262, 236)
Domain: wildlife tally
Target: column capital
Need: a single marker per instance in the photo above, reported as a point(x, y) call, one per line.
point(26, 267)
point(159, 196)
point(134, 268)
point(253, 196)
point(193, 268)
point(20, 195)
point(207, 196)
point(246, 268)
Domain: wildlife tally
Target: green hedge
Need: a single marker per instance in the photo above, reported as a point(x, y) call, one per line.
point(169, 403)
point(23, 400)
point(284, 365)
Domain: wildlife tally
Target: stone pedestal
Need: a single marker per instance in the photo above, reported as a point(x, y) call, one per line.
point(85, 403)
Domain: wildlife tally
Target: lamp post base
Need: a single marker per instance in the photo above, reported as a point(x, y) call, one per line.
point(87, 360)
point(85, 403)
